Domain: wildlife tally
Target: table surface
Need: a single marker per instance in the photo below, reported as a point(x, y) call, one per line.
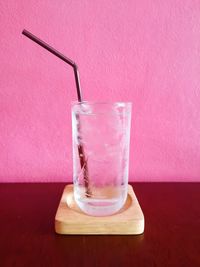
point(171, 237)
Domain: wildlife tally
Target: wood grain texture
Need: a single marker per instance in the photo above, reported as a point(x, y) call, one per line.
point(71, 220)
point(171, 237)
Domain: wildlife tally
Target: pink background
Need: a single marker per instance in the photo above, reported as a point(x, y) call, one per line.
point(147, 52)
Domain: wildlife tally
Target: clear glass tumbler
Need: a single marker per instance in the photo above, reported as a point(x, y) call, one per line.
point(101, 137)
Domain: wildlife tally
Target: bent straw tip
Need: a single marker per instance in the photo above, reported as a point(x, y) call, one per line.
point(25, 32)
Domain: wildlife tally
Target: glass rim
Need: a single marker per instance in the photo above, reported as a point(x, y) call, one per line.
point(78, 103)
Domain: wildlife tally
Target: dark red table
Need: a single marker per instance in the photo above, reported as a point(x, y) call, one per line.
point(171, 238)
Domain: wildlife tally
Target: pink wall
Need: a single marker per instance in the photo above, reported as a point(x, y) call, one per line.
point(147, 52)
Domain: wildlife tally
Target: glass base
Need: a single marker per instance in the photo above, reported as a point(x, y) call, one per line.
point(95, 208)
point(102, 205)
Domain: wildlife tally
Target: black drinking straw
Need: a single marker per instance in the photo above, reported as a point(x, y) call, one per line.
point(61, 56)
point(82, 157)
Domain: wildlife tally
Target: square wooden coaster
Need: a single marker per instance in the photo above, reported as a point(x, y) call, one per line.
point(71, 220)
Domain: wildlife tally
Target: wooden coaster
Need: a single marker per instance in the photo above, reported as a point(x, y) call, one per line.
point(71, 220)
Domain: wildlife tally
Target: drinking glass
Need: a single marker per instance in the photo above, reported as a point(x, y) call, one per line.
point(101, 137)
